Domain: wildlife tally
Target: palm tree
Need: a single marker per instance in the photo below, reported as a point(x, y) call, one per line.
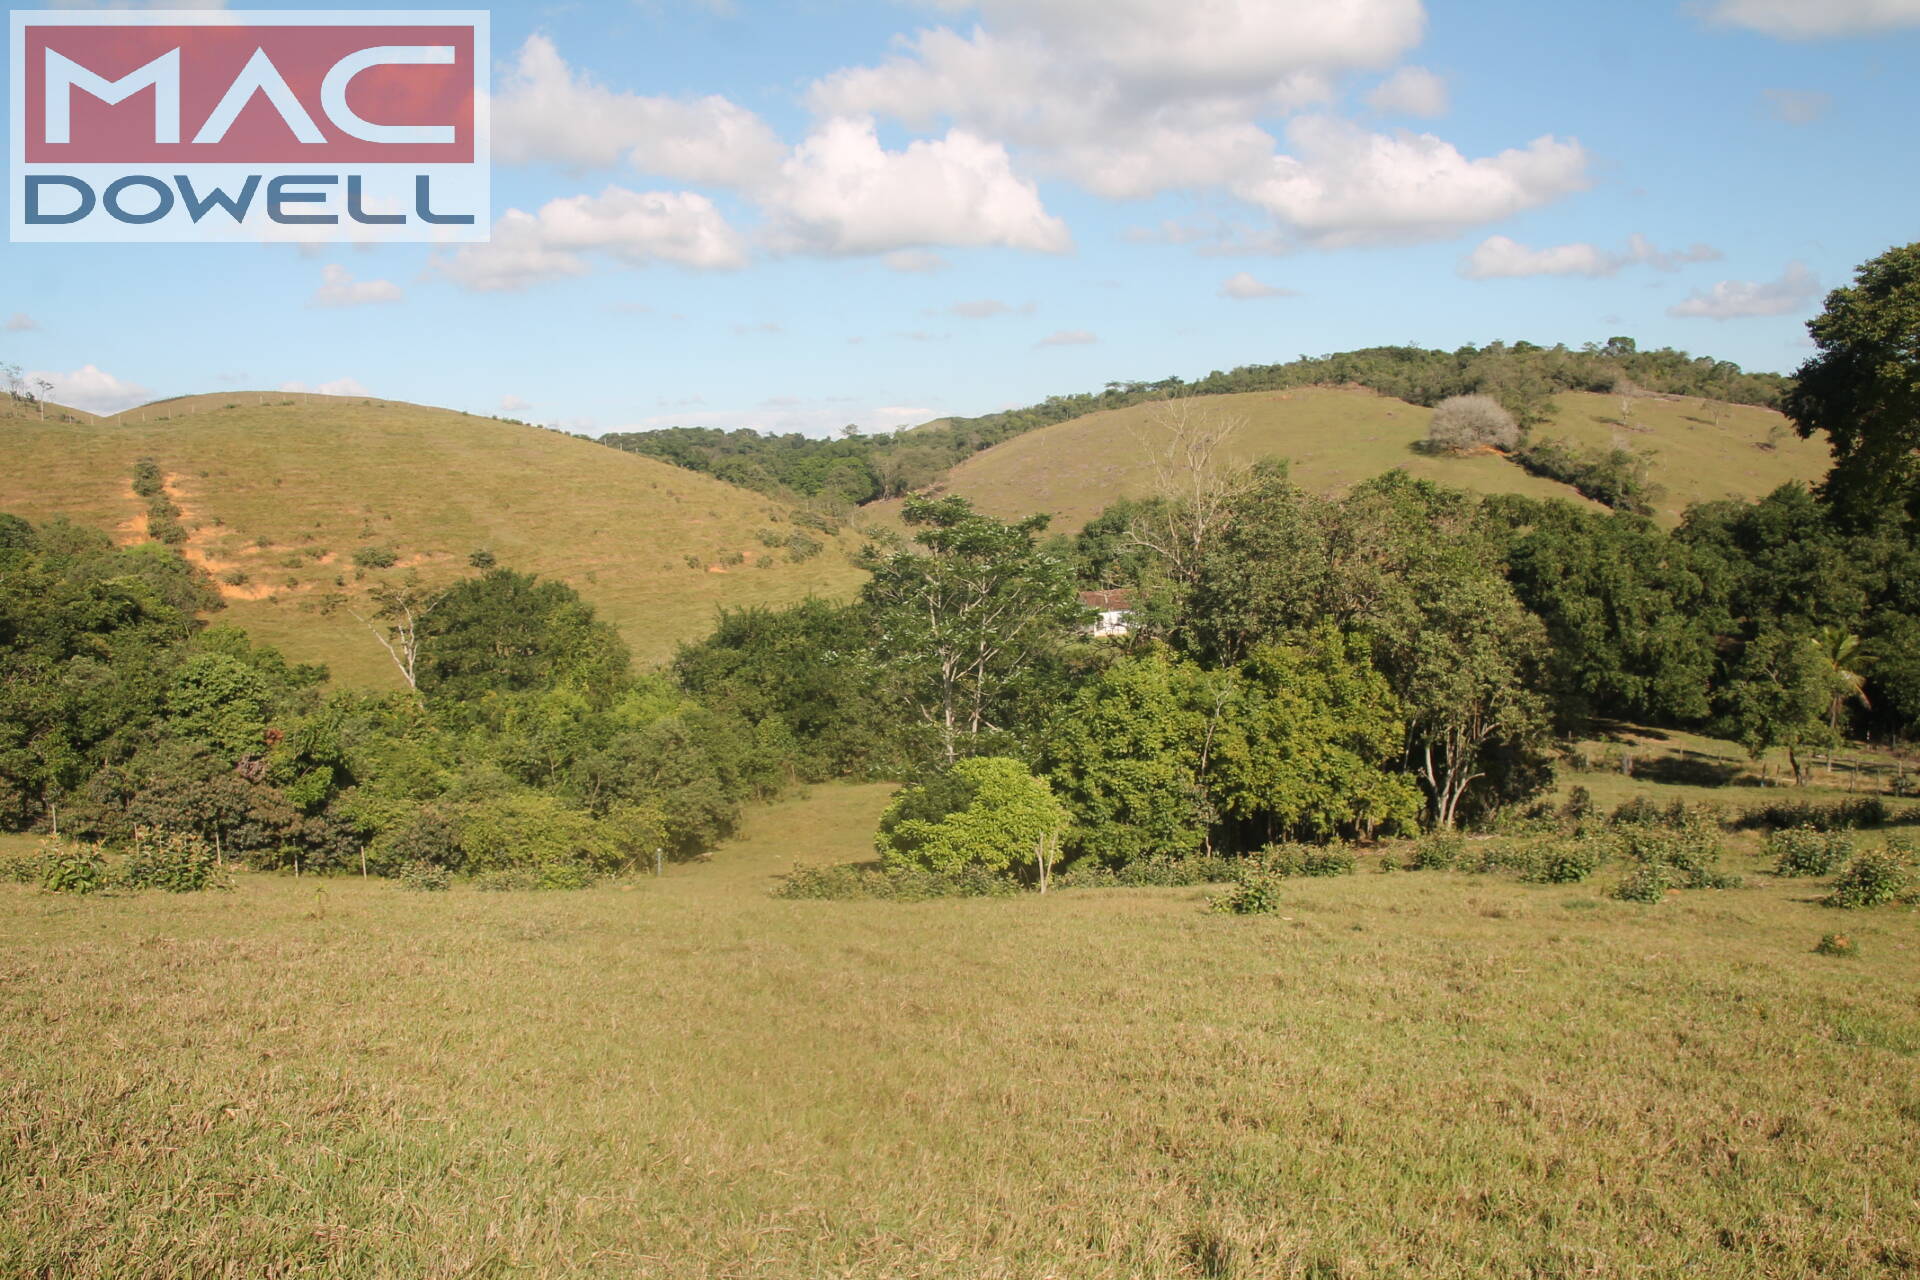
point(1846, 670)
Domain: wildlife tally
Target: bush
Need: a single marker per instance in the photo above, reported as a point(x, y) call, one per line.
point(849, 882)
point(1647, 882)
point(1254, 892)
point(1462, 423)
point(1615, 478)
point(988, 812)
point(1836, 944)
point(175, 861)
point(375, 558)
point(800, 547)
point(23, 866)
point(1805, 851)
point(425, 877)
point(1305, 860)
point(1440, 851)
point(71, 868)
point(1874, 877)
point(520, 879)
point(1579, 805)
point(1833, 815)
point(1566, 861)
point(1687, 857)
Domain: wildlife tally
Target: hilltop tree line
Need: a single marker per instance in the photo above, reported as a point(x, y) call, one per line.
point(1522, 377)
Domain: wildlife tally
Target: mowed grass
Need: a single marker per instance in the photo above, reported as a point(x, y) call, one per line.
point(282, 490)
point(1336, 438)
point(1419, 1074)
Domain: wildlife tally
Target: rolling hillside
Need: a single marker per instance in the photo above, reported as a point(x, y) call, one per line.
point(279, 493)
point(1335, 438)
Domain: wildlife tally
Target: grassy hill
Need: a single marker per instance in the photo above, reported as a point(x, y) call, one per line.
point(280, 492)
point(1335, 438)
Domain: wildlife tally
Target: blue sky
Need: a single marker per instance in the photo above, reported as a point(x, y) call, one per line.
point(802, 215)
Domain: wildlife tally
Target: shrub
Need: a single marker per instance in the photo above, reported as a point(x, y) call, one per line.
point(1833, 815)
point(1646, 882)
point(71, 868)
point(1805, 851)
point(1836, 944)
point(1687, 857)
point(1579, 805)
point(1567, 861)
point(988, 812)
point(374, 558)
point(1872, 878)
point(1461, 423)
point(800, 547)
point(1439, 851)
point(1305, 860)
point(175, 861)
point(518, 879)
point(22, 866)
point(482, 559)
point(849, 882)
point(425, 877)
point(1253, 892)
point(147, 481)
point(1613, 477)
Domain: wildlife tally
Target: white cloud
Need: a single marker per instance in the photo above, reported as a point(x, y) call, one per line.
point(1410, 91)
point(1738, 299)
point(634, 227)
point(1499, 257)
point(1796, 106)
point(91, 388)
point(1807, 20)
point(1344, 186)
point(1130, 97)
point(1243, 287)
point(840, 193)
point(514, 404)
point(915, 261)
point(987, 308)
point(338, 288)
point(1068, 338)
point(21, 322)
point(546, 112)
point(337, 387)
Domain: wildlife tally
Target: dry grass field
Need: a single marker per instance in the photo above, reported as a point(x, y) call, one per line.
point(279, 492)
point(1422, 1074)
point(1336, 438)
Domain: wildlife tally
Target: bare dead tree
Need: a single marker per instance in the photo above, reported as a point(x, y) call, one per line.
point(1188, 448)
point(399, 609)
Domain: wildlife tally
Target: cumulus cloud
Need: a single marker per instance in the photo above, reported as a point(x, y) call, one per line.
point(338, 288)
point(1130, 97)
point(1803, 20)
point(21, 322)
point(840, 193)
point(1739, 299)
point(546, 112)
point(632, 227)
point(1243, 287)
point(1344, 186)
point(1796, 106)
point(337, 387)
point(91, 388)
point(514, 404)
point(1410, 91)
point(1499, 257)
point(1068, 338)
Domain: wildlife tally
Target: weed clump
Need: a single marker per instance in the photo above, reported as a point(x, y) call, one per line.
point(425, 877)
point(173, 861)
point(852, 882)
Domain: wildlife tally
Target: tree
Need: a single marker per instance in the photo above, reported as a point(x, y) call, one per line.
point(508, 632)
point(1862, 389)
point(997, 815)
point(966, 622)
point(1844, 663)
point(1463, 423)
point(1195, 481)
point(1778, 694)
point(399, 609)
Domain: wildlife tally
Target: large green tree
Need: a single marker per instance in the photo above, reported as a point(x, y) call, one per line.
point(968, 621)
point(1862, 389)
